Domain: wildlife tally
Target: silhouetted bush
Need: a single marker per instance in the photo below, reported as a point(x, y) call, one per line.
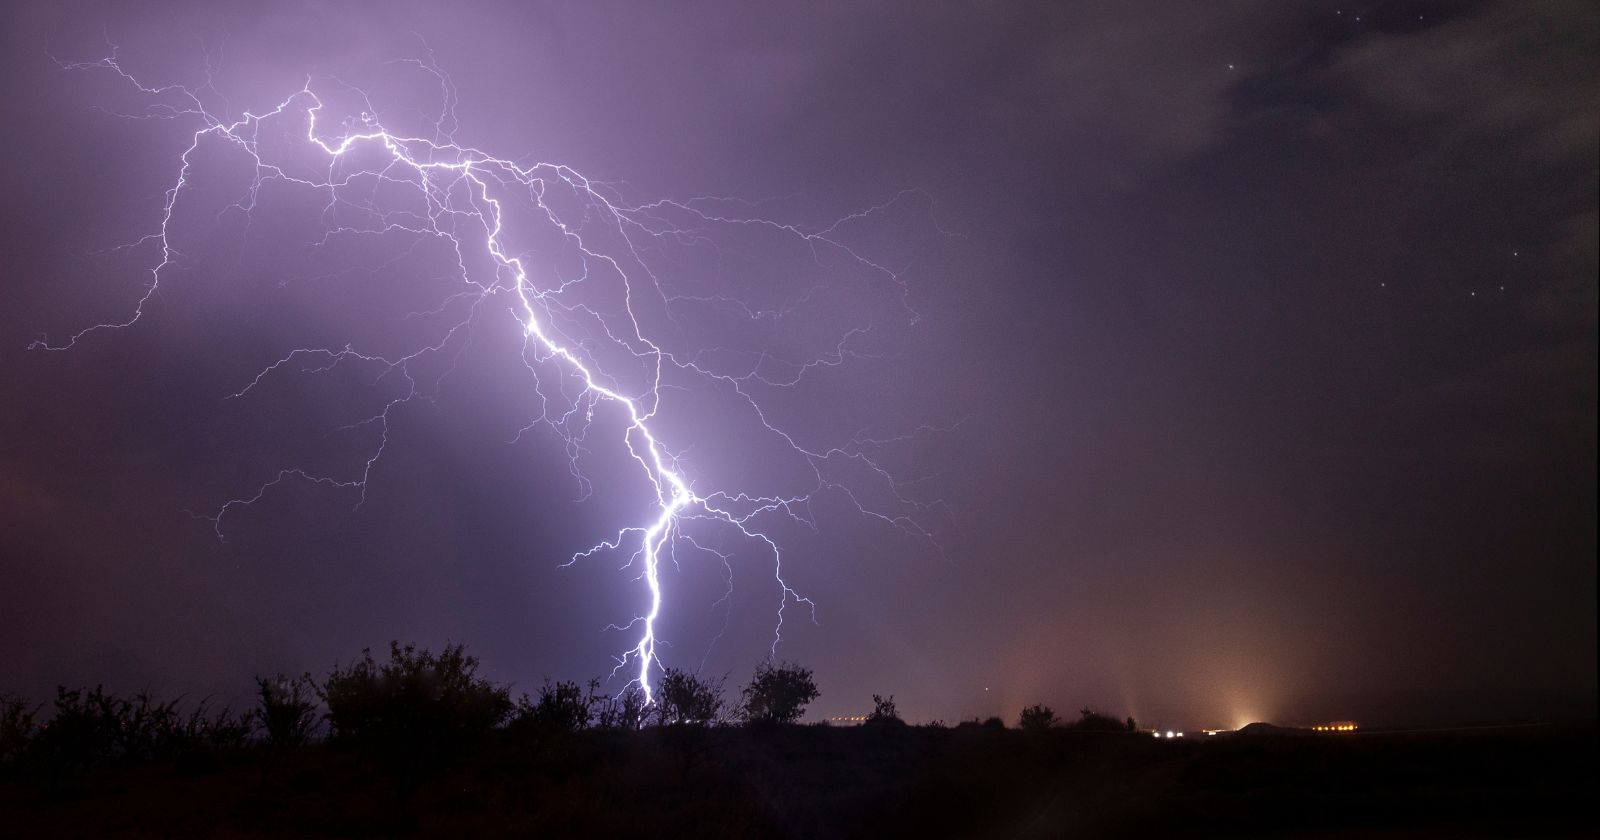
point(1093, 721)
point(287, 709)
point(565, 706)
point(16, 727)
point(685, 698)
point(222, 732)
point(884, 712)
point(94, 728)
point(416, 700)
point(1037, 717)
point(624, 711)
point(778, 693)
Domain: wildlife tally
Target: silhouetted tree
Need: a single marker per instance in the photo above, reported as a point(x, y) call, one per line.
point(1130, 724)
point(778, 693)
point(287, 709)
point(416, 700)
point(1037, 717)
point(685, 698)
point(884, 712)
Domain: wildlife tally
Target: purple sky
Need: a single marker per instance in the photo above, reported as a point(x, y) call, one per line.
point(1270, 332)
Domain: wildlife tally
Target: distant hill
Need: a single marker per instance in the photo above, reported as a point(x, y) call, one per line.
point(1260, 728)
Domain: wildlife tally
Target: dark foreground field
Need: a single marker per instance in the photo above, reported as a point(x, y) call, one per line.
point(830, 782)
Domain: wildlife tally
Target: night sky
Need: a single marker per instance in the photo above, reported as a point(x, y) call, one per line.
point(1240, 364)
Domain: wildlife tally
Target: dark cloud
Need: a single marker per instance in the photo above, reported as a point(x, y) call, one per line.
point(1522, 69)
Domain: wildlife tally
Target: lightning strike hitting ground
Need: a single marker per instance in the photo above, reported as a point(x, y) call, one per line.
point(582, 357)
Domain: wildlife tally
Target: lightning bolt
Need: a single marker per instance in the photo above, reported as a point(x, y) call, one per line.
point(581, 356)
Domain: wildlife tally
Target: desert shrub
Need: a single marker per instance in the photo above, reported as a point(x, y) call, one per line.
point(1092, 721)
point(417, 701)
point(223, 731)
point(286, 709)
point(204, 740)
point(884, 712)
point(561, 705)
point(1037, 717)
point(95, 728)
point(778, 693)
point(623, 711)
point(16, 727)
point(685, 698)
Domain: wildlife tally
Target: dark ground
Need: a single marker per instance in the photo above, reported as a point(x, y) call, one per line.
point(829, 782)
